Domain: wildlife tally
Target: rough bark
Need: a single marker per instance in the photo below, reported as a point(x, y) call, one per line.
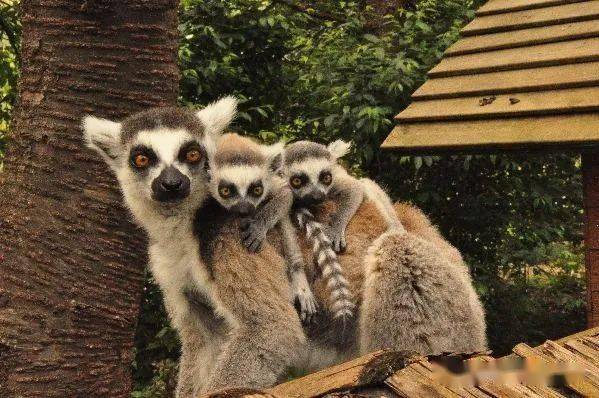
point(590, 162)
point(71, 262)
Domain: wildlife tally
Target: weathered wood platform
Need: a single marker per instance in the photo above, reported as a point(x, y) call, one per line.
point(398, 374)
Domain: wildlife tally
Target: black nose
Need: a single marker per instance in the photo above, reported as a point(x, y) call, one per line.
point(243, 208)
point(318, 196)
point(171, 185)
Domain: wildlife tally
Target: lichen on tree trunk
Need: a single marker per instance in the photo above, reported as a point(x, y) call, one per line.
point(71, 261)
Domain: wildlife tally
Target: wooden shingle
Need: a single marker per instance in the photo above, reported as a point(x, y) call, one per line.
point(524, 75)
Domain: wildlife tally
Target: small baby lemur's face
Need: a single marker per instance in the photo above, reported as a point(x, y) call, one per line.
point(160, 156)
point(242, 172)
point(310, 169)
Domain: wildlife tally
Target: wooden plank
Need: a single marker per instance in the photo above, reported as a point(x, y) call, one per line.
point(583, 350)
point(501, 6)
point(554, 15)
point(522, 104)
point(237, 393)
point(507, 82)
point(587, 384)
point(410, 383)
point(370, 369)
point(526, 37)
point(526, 132)
point(591, 333)
point(567, 52)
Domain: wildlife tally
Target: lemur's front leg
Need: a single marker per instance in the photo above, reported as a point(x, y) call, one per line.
point(254, 229)
point(349, 194)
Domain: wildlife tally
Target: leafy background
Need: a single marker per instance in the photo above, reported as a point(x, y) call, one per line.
point(341, 69)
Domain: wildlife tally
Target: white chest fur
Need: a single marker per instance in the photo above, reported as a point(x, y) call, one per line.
point(177, 267)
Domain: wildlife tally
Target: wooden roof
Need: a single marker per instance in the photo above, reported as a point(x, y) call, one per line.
point(394, 374)
point(524, 74)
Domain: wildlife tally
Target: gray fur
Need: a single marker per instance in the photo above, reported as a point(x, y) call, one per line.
point(347, 192)
point(302, 150)
point(156, 118)
point(427, 303)
point(341, 303)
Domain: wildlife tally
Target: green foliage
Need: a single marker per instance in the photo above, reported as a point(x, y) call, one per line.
point(517, 218)
point(10, 31)
point(339, 71)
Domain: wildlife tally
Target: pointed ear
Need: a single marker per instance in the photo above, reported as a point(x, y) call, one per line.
point(274, 156)
point(339, 148)
point(216, 116)
point(104, 136)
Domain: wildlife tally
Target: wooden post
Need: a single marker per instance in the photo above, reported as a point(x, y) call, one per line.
point(590, 166)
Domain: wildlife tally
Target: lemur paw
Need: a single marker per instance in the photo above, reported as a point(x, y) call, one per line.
point(305, 302)
point(337, 238)
point(253, 235)
point(303, 298)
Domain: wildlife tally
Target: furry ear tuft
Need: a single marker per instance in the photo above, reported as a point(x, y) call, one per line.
point(103, 136)
point(339, 148)
point(274, 155)
point(217, 115)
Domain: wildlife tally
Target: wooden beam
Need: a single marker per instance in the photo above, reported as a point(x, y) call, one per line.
point(523, 132)
point(493, 7)
point(567, 52)
point(523, 104)
point(554, 15)
point(526, 37)
point(514, 81)
point(590, 162)
point(370, 369)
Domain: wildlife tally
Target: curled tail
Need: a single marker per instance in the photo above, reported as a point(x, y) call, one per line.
point(340, 298)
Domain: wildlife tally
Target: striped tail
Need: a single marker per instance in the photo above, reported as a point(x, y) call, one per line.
point(340, 298)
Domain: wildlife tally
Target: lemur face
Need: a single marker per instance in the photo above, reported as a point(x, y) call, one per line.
point(241, 174)
point(165, 165)
point(310, 180)
point(161, 156)
point(310, 170)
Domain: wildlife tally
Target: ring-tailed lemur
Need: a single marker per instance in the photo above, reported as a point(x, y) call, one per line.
point(244, 180)
point(314, 176)
point(232, 309)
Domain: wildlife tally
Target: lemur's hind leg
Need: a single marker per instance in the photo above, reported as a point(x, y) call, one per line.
point(414, 299)
point(257, 356)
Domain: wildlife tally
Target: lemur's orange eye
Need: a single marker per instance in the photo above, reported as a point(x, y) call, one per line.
point(296, 182)
point(225, 192)
point(193, 156)
point(326, 178)
point(257, 191)
point(141, 161)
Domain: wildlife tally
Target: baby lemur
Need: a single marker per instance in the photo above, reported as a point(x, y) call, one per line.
point(244, 180)
point(314, 176)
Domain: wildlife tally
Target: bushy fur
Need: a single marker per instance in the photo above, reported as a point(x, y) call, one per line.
point(234, 331)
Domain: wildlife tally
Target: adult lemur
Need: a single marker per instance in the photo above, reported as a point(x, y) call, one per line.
point(233, 309)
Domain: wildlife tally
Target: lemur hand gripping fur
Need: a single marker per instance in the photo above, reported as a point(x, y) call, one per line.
point(340, 299)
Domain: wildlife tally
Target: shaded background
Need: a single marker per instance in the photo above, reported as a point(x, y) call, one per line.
point(329, 69)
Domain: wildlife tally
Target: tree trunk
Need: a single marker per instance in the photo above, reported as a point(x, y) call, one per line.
point(590, 168)
point(71, 262)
